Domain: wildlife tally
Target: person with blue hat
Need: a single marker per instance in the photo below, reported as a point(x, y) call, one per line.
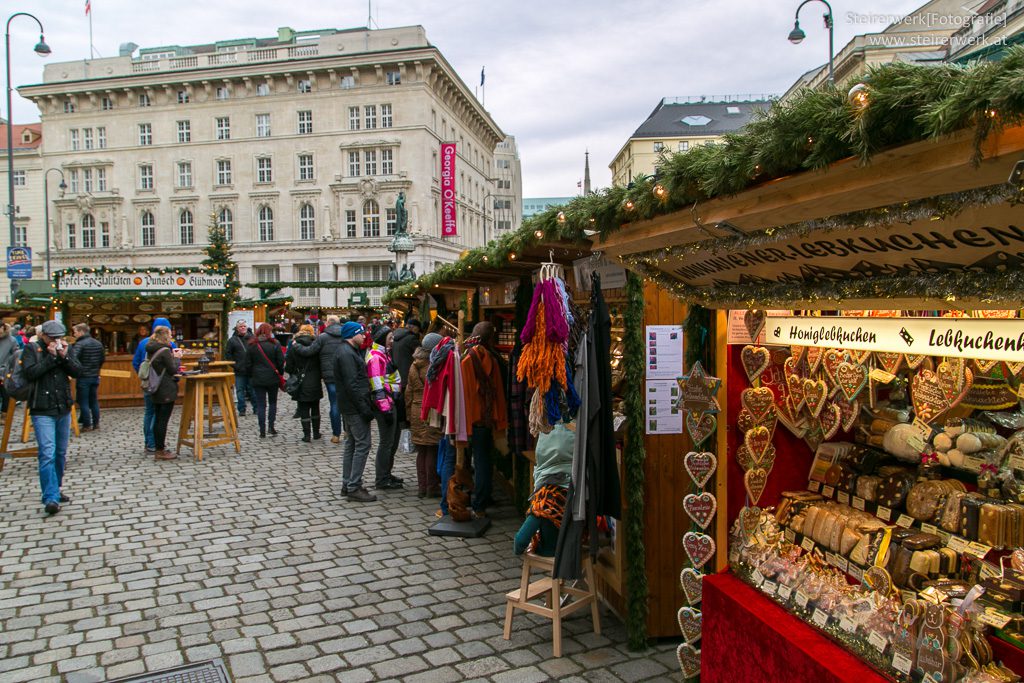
point(149, 416)
point(356, 411)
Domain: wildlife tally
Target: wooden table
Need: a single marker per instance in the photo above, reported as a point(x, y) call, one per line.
point(197, 420)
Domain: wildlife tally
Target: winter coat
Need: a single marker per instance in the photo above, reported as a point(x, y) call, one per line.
point(236, 350)
point(167, 364)
point(326, 347)
point(484, 389)
point(52, 393)
point(384, 381)
point(353, 383)
point(405, 344)
point(422, 433)
point(8, 345)
point(310, 390)
point(256, 366)
point(90, 354)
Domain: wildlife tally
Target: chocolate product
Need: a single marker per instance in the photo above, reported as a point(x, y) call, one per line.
point(867, 487)
point(926, 499)
point(894, 489)
point(970, 515)
point(989, 527)
point(921, 541)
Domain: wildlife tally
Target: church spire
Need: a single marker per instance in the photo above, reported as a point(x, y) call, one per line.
point(586, 173)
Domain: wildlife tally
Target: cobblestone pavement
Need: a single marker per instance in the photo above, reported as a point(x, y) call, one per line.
point(258, 560)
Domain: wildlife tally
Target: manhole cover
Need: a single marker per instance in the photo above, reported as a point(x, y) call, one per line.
point(212, 671)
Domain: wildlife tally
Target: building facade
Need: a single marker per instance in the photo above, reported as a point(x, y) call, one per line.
point(508, 193)
point(298, 145)
point(534, 205)
point(28, 193)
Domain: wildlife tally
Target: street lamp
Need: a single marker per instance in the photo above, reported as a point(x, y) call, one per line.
point(41, 49)
point(797, 35)
point(46, 211)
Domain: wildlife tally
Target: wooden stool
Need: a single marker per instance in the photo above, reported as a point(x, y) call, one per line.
point(26, 426)
point(552, 591)
point(201, 392)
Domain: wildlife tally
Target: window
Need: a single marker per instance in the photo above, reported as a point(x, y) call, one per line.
point(69, 107)
point(504, 184)
point(353, 164)
point(371, 219)
point(305, 85)
point(19, 179)
point(183, 97)
point(264, 170)
point(266, 224)
point(223, 171)
point(88, 231)
point(144, 99)
point(348, 82)
point(391, 221)
point(223, 92)
point(263, 125)
point(106, 104)
point(185, 175)
point(368, 272)
point(87, 138)
point(307, 222)
point(223, 125)
point(503, 163)
point(305, 122)
point(73, 181)
point(659, 146)
point(353, 118)
point(263, 89)
point(185, 227)
point(307, 273)
point(74, 140)
point(504, 225)
point(71, 235)
point(305, 167)
point(266, 273)
point(225, 220)
point(101, 137)
point(386, 120)
point(21, 235)
point(371, 116)
point(146, 177)
point(87, 187)
point(148, 229)
point(350, 223)
point(184, 131)
point(104, 234)
point(394, 77)
point(101, 180)
point(684, 145)
point(370, 160)
point(145, 134)
point(387, 162)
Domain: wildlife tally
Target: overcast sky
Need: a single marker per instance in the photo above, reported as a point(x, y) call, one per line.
point(563, 76)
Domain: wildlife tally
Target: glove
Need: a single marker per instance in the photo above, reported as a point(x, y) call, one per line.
point(384, 405)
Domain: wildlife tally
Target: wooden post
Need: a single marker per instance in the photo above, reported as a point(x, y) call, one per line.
point(460, 449)
point(722, 439)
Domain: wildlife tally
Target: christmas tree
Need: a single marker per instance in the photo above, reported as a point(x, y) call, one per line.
point(218, 257)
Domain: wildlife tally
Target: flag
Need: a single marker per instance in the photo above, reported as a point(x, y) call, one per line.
point(579, 183)
point(88, 6)
point(481, 71)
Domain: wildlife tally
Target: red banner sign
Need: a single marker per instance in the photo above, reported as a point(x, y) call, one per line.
point(449, 227)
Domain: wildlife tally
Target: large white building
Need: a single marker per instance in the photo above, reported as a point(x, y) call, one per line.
point(298, 144)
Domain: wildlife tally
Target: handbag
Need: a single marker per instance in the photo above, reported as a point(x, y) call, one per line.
point(280, 377)
point(292, 384)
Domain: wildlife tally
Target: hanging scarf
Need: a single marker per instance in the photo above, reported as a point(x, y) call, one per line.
point(438, 357)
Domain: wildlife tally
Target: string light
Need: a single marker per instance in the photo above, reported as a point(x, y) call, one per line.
point(539, 234)
point(859, 95)
point(660, 192)
point(628, 205)
point(561, 216)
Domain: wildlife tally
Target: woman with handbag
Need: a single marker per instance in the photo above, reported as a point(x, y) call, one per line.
point(163, 363)
point(303, 383)
point(264, 360)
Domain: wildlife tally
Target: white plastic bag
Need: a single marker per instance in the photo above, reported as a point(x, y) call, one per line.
point(405, 444)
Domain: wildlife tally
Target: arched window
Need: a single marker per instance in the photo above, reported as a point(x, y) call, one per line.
point(307, 222)
point(88, 231)
point(148, 229)
point(225, 221)
point(371, 218)
point(185, 227)
point(266, 224)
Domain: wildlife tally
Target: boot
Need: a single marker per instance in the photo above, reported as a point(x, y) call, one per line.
point(316, 427)
point(270, 427)
point(306, 429)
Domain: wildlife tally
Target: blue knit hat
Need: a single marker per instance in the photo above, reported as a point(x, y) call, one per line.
point(161, 321)
point(350, 329)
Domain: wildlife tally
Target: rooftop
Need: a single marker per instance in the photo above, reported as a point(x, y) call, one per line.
point(25, 136)
point(701, 116)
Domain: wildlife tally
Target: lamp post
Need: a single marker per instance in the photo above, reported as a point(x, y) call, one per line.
point(41, 49)
point(46, 211)
point(797, 35)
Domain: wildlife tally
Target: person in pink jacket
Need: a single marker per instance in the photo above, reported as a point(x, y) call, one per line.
point(385, 384)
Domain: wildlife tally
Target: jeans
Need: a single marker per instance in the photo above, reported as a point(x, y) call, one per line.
point(52, 433)
point(482, 443)
point(445, 469)
point(243, 390)
point(354, 452)
point(387, 444)
point(266, 406)
point(148, 420)
point(332, 397)
point(86, 391)
point(162, 415)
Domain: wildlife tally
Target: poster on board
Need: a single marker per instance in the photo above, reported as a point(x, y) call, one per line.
point(660, 412)
point(664, 344)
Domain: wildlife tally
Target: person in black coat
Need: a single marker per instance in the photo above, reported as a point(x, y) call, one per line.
point(264, 361)
point(310, 391)
point(406, 341)
point(91, 355)
point(326, 349)
point(236, 351)
point(165, 363)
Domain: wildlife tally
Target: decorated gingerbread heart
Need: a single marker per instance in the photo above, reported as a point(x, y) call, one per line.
point(927, 396)
point(815, 393)
point(860, 356)
point(795, 384)
point(757, 441)
point(701, 508)
point(759, 401)
point(689, 623)
point(750, 519)
point(831, 360)
point(849, 410)
point(692, 582)
point(700, 426)
point(797, 352)
point(754, 322)
point(756, 360)
point(813, 436)
point(689, 660)
point(955, 379)
point(791, 366)
point(699, 548)
point(755, 481)
point(813, 355)
point(744, 458)
point(890, 362)
point(1015, 368)
point(700, 466)
point(914, 360)
point(985, 366)
point(851, 378)
point(830, 419)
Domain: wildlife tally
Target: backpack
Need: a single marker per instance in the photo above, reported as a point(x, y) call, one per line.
point(15, 383)
point(149, 380)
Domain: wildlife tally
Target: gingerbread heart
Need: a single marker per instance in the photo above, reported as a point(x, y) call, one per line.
point(831, 360)
point(815, 393)
point(830, 419)
point(759, 401)
point(689, 623)
point(745, 421)
point(755, 481)
point(791, 366)
point(767, 460)
point(860, 356)
point(750, 519)
point(914, 360)
point(700, 426)
point(795, 384)
point(701, 508)
point(851, 378)
point(985, 366)
point(744, 458)
point(1015, 368)
point(814, 354)
point(754, 322)
point(757, 441)
point(927, 396)
point(890, 362)
point(813, 436)
point(850, 412)
point(689, 660)
point(693, 585)
point(955, 379)
point(756, 360)
point(699, 548)
point(700, 466)
point(797, 352)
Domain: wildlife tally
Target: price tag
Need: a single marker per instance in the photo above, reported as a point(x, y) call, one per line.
point(801, 599)
point(988, 571)
point(905, 521)
point(996, 619)
point(828, 491)
point(979, 550)
point(807, 544)
point(770, 587)
point(930, 529)
point(901, 663)
point(883, 513)
point(785, 592)
point(880, 375)
point(843, 497)
point(841, 563)
point(790, 536)
point(878, 642)
point(819, 618)
point(856, 572)
point(758, 578)
point(973, 463)
point(907, 596)
point(846, 624)
point(858, 503)
point(957, 544)
point(814, 486)
point(1017, 461)
point(830, 558)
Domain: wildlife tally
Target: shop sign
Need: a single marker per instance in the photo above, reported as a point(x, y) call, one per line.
point(981, 338)
point(613, 276)
point(358, 299)
point(19, 263)
point(449, 224)
point(213, 305)
point(141, 282)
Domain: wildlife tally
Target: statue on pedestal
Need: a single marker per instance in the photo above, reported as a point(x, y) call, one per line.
point(401, 215)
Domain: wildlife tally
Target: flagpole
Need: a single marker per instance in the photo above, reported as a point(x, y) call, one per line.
point(88, 10)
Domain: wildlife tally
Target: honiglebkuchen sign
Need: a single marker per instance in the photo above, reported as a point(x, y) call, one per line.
point(141, 281)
